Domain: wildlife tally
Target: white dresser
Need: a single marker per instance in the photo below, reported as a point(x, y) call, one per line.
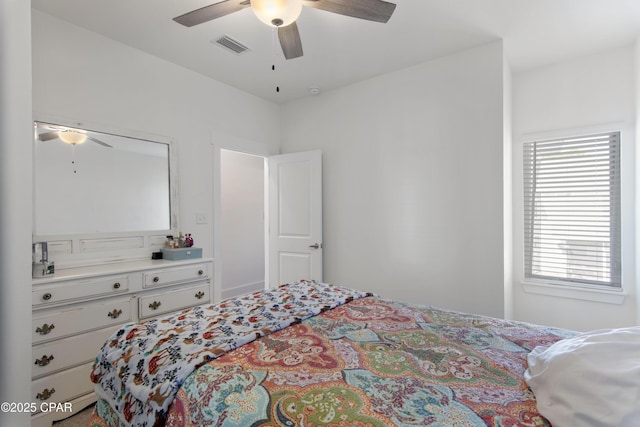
point(77, 309)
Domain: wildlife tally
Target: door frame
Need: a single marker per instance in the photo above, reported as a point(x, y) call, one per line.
point(224, 141)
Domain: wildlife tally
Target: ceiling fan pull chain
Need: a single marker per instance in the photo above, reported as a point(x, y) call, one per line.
point(73, 157)
point(274, 36)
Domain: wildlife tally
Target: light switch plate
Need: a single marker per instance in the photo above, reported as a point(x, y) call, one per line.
point(201, 218)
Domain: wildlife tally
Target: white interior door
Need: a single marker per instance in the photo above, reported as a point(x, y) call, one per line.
point(295, 217)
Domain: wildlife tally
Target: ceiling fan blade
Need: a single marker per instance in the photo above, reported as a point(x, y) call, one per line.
point(371, 10)
point(213, 11)
point(290, 42)
point(99, 142)
point(47, 136)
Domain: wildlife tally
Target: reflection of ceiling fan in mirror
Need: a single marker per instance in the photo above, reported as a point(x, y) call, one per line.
point(282, 14)
point(70, 136)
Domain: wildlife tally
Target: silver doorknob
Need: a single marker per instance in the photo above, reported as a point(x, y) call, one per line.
point(315, 246)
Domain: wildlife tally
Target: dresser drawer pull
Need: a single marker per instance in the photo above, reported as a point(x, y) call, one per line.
point(116, 285)
point(47, 296)
point(44, 360)
point(199, 295)
point(114, 314)
point(156, 279)
point(45, 329)
point(46, 393)
point(154, 305)
point(200, 272)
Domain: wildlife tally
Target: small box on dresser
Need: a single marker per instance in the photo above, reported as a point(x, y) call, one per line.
point(181, 253)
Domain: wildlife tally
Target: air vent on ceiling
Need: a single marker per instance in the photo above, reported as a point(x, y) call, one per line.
point(231, 44)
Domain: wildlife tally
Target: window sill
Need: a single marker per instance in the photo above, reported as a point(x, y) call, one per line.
point(576, 292)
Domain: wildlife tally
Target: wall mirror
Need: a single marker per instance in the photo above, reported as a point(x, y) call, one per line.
point(96, 181)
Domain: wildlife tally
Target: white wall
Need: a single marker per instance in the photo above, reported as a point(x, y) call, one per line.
point(637, 171)
point(81, 75)
point(595, 91)
point(413, 180)
point(15, 203)
point(507, 190)
point(242, 221)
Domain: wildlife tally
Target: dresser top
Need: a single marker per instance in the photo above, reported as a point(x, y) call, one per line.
point(115, 268)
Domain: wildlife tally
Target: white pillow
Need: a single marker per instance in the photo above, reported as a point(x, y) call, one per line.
point(592, 379)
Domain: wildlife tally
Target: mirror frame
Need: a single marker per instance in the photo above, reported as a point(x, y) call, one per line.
point(82, 249)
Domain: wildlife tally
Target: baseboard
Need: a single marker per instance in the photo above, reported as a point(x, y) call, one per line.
point(242, 289)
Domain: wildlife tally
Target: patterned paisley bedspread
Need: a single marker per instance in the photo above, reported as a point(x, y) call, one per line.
point(370, 362)
point(140, 368)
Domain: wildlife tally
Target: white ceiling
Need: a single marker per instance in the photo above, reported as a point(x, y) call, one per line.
point(339, 50)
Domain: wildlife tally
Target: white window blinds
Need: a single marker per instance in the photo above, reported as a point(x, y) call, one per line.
point(572, 210)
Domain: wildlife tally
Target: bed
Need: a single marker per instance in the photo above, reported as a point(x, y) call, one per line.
point(317, 354)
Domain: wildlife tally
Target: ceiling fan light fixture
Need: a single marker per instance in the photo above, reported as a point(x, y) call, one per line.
point(277, 13)
point(72, 137)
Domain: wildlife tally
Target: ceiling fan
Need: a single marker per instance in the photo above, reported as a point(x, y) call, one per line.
point(282, 14)
point(70, 136)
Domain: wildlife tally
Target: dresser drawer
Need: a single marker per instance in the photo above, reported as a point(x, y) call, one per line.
point(161, 303)
point(63, 323)
point(170, 276)
point(68, 352)
point(63, 386)
point(79, 289)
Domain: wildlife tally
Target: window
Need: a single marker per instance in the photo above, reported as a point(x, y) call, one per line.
point(572, 210)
